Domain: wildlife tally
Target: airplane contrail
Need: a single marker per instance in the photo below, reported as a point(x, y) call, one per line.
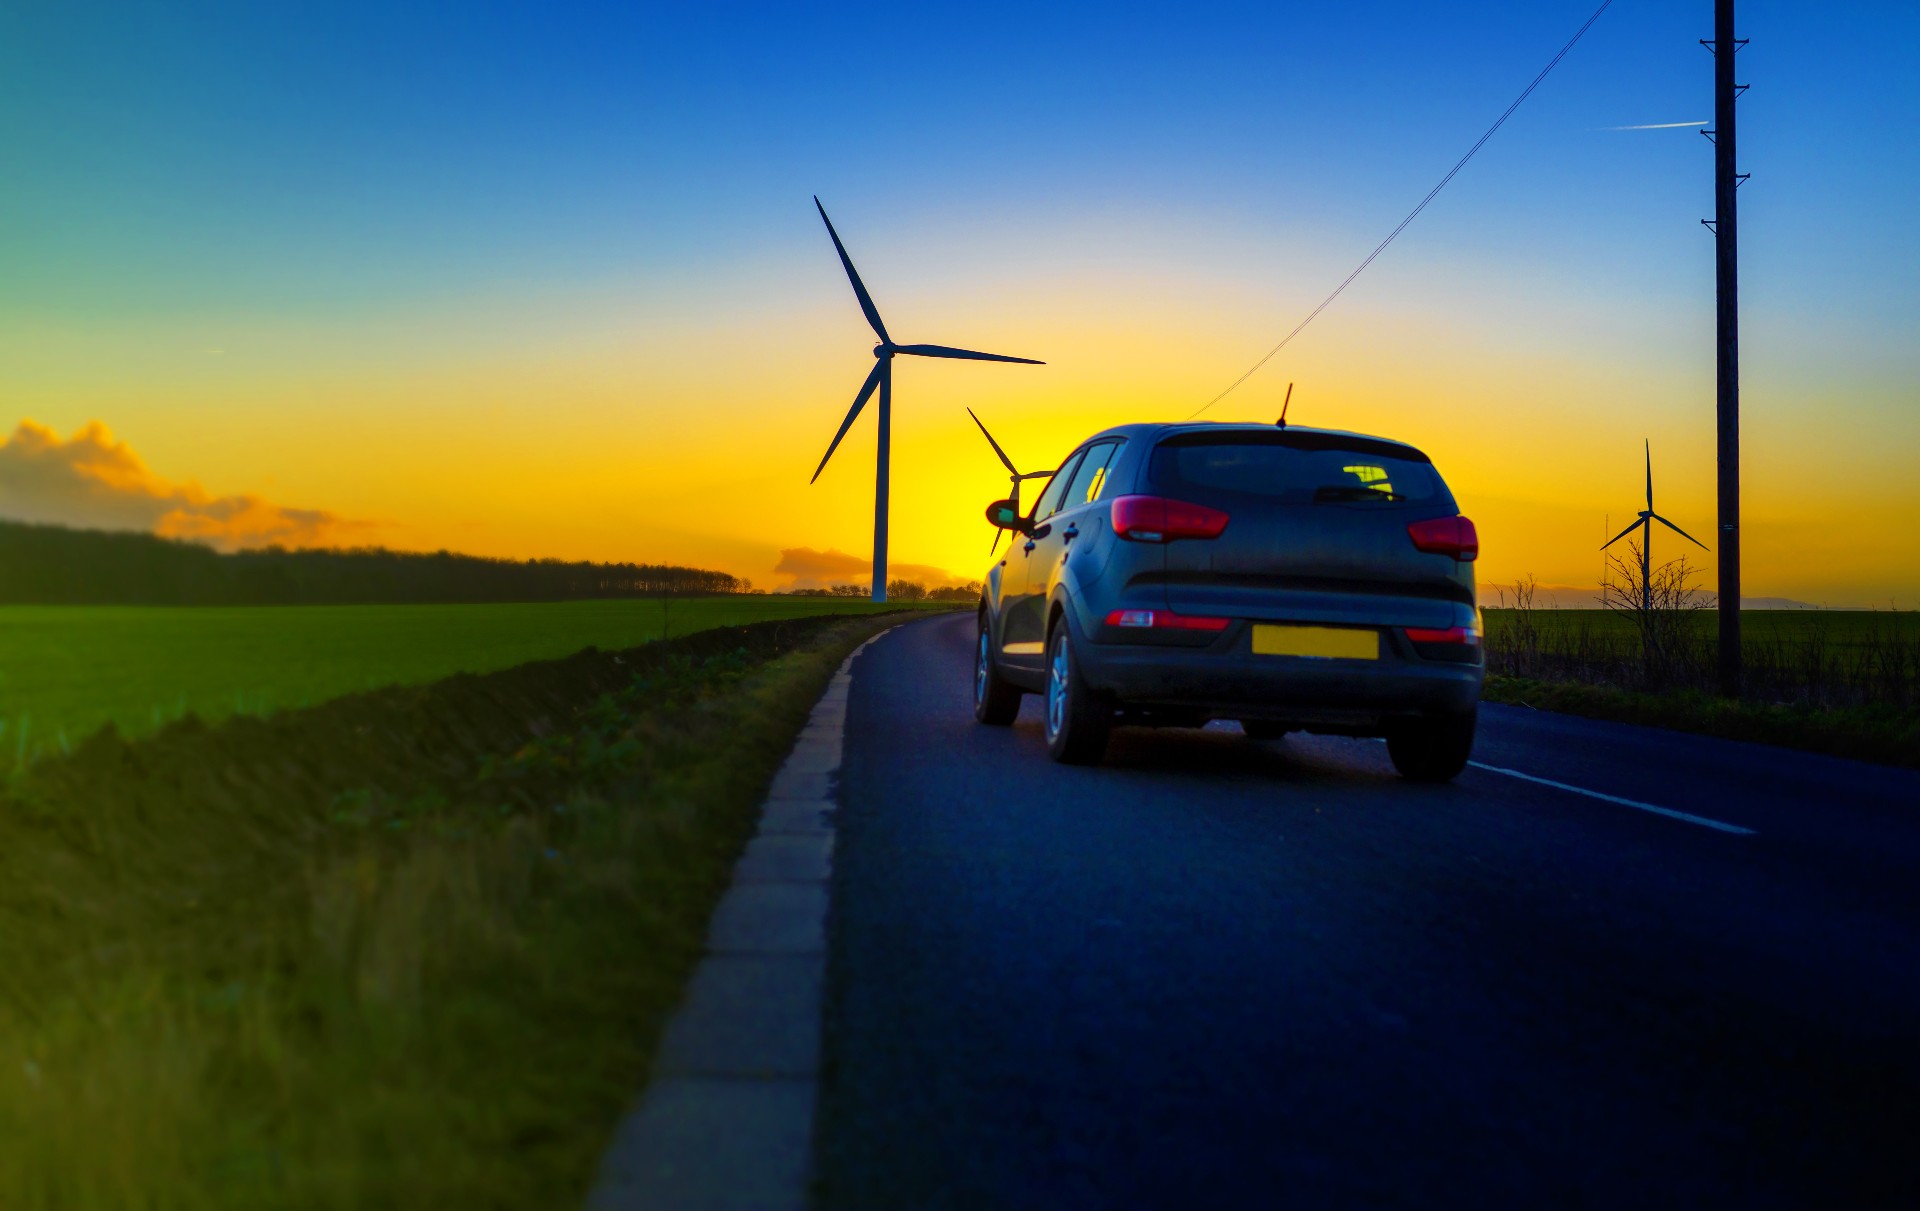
point(1654, 126)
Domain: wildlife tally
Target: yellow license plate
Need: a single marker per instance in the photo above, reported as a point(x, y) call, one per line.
point(1337, 643)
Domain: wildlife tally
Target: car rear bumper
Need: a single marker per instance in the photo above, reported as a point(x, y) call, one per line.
point(1226, 679)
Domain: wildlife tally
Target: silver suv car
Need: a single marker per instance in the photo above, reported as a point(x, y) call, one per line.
point(1289, 578)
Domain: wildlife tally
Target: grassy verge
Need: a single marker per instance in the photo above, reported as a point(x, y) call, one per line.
point(1837, 630)
point(1883, 734)
point(410, 948)
point(67, 670)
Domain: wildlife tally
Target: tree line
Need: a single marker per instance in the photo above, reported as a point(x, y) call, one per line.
point(898, 590)
point(54, 565)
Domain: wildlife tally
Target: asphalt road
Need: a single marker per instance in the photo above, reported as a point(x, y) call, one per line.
point(1221, 973)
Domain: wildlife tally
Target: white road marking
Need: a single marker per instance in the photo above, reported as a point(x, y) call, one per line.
point(1668, 812)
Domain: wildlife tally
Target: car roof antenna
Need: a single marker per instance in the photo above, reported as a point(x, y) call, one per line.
point(1282, 422)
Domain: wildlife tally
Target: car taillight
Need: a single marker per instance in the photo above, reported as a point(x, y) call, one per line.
point(1459, 635)
point(1457, 644)
point(1165, 620)
point(1157, 519)
point(1453, 536)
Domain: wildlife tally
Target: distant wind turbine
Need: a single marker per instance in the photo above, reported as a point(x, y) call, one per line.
point(881, 376)
point(1646, 520)
point(1014, 474)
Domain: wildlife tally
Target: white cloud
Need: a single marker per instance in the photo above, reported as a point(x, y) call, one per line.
point(93, 481)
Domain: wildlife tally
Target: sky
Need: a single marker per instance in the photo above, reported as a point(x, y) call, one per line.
point(546, 280)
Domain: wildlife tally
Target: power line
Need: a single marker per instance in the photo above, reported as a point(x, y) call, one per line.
point(1414, 214)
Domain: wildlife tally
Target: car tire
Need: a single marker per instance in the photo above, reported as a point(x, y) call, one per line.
point(1263, 729)
point(1078, 718)
point(1432, 749)
point(995, 702)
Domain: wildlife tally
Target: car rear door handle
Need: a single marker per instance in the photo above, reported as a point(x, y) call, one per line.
point(1071, 532)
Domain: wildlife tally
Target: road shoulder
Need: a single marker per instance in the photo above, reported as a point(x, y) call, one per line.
point(727, 1119)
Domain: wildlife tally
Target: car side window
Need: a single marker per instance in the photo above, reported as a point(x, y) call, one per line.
point(1049, 502)
point(1090, 480)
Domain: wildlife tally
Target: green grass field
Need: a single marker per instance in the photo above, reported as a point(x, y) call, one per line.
point(411, 949)
point(1838, 630)
point(67, 670)
point(1845, 682)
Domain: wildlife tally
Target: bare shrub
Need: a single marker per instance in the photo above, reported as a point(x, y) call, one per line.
point(1661, 603)
point(1520, 644)
point(1829, 660)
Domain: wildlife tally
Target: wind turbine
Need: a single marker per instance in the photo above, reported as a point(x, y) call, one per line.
point(881, 376)
point(1646, 520)
point(1014, 474)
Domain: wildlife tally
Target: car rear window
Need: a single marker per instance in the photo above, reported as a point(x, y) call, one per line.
point(1296, 468)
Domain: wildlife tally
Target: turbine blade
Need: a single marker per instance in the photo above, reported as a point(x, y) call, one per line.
point(1638, 522)
point(859, 402)
point(1649, 475)
point(1682, 533)
point(997, 532)
point(967, 354)
point(995, 445)
point(853, 275)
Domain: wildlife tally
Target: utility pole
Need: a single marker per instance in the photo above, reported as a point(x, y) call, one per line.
point(1726, 231)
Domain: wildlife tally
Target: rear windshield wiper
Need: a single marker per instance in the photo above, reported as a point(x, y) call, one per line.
point(1349, 492)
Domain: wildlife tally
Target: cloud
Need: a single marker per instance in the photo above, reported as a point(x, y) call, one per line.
point(811, 569)
point(95, 482)
point(1656, 126)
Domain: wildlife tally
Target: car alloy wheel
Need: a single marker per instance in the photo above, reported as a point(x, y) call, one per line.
point(980, 669)
point(1059, 687)
point(995, 702)
point(1078, 716)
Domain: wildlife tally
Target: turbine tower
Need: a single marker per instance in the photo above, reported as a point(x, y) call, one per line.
point(881, 377)
point(1646, 520)
point(1014, 474)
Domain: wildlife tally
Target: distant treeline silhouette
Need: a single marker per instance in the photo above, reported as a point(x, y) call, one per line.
point(898, 590)
point(53, 565)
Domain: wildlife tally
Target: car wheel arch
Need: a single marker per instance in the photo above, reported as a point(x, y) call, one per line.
point(1056, 610)
point(994, 618)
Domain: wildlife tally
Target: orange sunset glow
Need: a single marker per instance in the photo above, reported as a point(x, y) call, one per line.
point(644, 438)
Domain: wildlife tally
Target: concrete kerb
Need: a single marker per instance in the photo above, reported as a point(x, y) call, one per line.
point(726, 1121)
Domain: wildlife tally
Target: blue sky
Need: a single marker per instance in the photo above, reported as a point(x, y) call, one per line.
point(451, 145)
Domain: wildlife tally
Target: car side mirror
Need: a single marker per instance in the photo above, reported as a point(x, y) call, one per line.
point(1006, 515)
